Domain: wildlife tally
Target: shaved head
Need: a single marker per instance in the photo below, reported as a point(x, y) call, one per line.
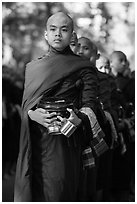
point(118, 62)
point(87, 50)
point(119, 54)
point(90, 43)
point(60, 17)
point(59, 30)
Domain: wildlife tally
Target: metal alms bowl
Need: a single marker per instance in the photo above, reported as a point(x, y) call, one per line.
point(57, 105)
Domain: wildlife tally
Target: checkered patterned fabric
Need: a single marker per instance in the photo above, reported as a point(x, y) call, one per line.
point(97, 143)
point(99, 146)
point(88, 159)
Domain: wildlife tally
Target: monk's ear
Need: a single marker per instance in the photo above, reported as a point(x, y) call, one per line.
point(98, 56)
point(45, 35)
point(74, 35)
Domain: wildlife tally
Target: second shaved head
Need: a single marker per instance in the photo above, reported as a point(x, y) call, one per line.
point(87, 49)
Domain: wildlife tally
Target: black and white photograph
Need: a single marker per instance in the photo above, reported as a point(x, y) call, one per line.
point(68, 101)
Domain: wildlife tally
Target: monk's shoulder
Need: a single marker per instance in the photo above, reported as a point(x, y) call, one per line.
point(35, 61)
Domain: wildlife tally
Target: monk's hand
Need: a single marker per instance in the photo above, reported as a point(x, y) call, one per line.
point(43, 117)
point(73, 118)
point(69, 125)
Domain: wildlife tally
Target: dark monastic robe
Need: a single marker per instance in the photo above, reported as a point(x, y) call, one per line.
point(127, 87)
point(104, 90)
point(57, 74)
point(124, 165)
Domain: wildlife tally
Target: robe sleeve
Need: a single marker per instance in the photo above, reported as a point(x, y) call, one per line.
point(89, 90)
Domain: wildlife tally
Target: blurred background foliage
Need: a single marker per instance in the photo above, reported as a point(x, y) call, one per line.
point(110, 25)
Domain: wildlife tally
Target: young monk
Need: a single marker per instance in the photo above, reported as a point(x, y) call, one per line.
point(103, 64)
point(88, 50)
point(49, 165)
point(124, 165)
point(74, 42)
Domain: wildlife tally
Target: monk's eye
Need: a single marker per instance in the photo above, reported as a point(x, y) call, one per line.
point(78, 45)
point(52, 29)
point(64, 30)
point(122, 61)
point(86, 48)
point(73, 44)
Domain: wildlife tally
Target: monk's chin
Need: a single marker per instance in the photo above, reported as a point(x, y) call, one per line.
point(59, 48)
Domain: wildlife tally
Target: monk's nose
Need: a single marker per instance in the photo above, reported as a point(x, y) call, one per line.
point(80, 50)
point(58, 32)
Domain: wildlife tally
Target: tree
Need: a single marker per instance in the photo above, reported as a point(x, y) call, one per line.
point(24, 24)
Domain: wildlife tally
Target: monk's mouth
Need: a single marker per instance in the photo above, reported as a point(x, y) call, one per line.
point(57, 41)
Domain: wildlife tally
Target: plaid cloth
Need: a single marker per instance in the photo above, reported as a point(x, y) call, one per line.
point(113, 129)
point(99, 146)
point(88, 159)
point(97, 142)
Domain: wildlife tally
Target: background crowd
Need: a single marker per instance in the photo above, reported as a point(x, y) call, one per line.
point(23, 40)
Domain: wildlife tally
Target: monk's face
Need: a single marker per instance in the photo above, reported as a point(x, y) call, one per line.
point(118, 62)
point(85, 49)
point(73, 43)
point(59, 31)
point(103, 64)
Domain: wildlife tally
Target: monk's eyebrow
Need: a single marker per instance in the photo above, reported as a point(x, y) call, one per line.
point(53, 26)
point(64, 26)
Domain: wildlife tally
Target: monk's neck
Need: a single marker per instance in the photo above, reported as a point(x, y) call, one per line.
point(65, 51)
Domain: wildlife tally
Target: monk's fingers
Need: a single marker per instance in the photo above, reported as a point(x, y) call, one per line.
point(50, 115)
point(58, 123)
point(46, 113)
point(60, 118)
point(49, 120)
point(72, 114)
point(47, 124)
point(41, 110)
point(70, 110)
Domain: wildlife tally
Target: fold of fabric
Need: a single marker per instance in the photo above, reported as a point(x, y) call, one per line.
point(113, 129)
point(97, 143)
